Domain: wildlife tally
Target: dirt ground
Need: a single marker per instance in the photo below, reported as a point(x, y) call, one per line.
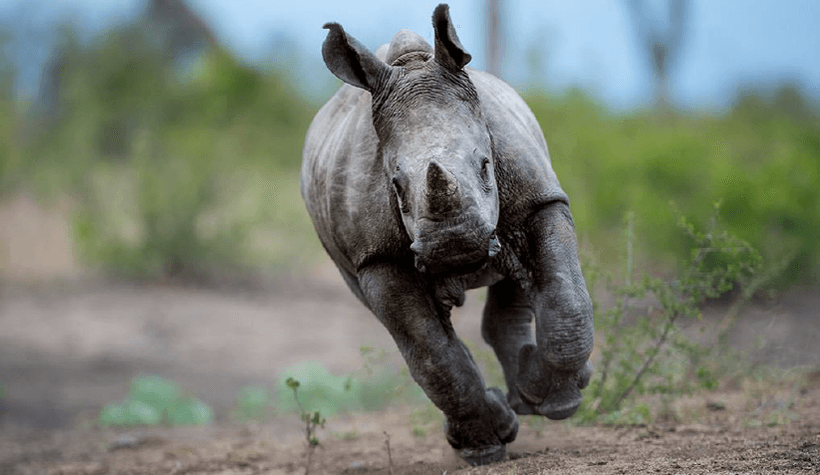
point(70, 343)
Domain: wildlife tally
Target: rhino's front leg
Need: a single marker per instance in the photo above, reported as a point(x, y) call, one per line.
point(479, 421)
point(507, 326)
point(552, 372)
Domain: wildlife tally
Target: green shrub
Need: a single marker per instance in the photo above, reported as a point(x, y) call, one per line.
point(172, 207)
point(373, 388)
point(318, 390)
point(174, 165)
point(192, 167)
point(759, 160)
point(253, 403)
point(153, 400)
point(643, 349)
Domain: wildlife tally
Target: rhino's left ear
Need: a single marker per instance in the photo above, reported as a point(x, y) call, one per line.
point(350, 61)
point(449, 51)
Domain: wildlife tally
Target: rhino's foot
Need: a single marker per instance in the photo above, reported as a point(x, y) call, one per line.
point(556, 396)
point(482, 440)
point(483, 455)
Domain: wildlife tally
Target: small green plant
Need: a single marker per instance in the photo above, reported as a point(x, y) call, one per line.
point(643, 349)
point(318, 389)
point(313, 421)
point(376, 385)
point(153, 400)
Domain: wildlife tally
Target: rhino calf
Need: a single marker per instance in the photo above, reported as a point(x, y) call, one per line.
point(425, 178)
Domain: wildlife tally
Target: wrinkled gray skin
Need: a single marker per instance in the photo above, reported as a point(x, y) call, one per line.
point(424, 178)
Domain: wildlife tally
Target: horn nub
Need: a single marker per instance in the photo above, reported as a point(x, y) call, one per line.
point(442, 190)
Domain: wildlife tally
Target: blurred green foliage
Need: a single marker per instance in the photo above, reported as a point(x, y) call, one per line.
point(154, 400)
point(187, 164)
point(372, 389)
point(253, 403)
point(180, 164)
point(760, 160)
point(643, 349)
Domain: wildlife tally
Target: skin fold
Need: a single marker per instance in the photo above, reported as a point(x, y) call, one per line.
point(425, 178)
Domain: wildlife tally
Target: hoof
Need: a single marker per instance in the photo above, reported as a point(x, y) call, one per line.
point(483, 455)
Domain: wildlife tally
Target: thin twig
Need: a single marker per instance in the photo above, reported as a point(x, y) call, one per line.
point(649, 360)
point(389, 455)
point(657, 347)
point(309, 456)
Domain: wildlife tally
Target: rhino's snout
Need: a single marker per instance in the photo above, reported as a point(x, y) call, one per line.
point(455, 255)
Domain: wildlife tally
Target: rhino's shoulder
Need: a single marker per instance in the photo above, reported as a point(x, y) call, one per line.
point(335, 126)
point(507, 112)
point(344, 185)
point(526, 180)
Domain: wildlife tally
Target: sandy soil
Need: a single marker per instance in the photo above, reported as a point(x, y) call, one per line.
point(69, 346)
point(67, 349)
point(714, 447)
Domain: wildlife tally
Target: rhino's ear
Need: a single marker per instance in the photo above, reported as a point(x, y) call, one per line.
point(449, 51)
point(350, 61)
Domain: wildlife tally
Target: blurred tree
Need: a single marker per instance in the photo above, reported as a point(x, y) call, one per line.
point(129, 67)
point(7, 70)
point(494, 37)
point(660, 39)
point(789, 100)
point(177, 27)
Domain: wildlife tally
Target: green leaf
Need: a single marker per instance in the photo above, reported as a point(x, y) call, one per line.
point(292, 383)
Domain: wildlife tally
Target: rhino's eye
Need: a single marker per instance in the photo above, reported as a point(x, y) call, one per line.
point(485, 170)
point(400, 194)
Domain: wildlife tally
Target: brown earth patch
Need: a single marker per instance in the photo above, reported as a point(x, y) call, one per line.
point(69, 347)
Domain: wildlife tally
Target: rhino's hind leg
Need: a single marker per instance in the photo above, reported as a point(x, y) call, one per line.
point(507, 326)
point(479, 421)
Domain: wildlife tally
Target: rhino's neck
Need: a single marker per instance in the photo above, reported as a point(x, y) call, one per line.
point(449, 290)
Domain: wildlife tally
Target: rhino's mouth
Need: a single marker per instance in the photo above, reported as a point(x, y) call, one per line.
point(457, 254)
point(434, 267)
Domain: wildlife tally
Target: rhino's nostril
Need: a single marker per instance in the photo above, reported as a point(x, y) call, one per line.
point(495, 246)
point(419, 264)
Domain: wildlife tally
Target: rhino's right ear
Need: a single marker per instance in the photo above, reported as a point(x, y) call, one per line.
point(449, 51)
point(350, 61)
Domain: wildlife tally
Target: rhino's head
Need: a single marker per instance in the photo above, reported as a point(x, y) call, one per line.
point(435, 144)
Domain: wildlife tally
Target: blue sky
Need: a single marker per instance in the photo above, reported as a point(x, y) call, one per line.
point(729, 44)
